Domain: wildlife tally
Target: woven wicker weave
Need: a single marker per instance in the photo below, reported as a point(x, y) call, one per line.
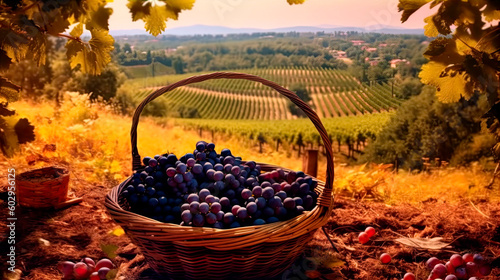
point(252, 252)
point(36, 192)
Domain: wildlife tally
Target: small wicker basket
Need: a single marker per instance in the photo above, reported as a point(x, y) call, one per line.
point(42, 188)
point(251, 252)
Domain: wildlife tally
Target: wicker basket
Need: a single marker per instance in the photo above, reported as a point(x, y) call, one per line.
point(42, 188)
point(251, 252)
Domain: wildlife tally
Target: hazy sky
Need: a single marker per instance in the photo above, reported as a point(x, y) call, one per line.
point(277, 13)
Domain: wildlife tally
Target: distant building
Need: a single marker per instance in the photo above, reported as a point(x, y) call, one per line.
point(368, 49)
point(357, 42)
point(395, 62)
point(170, 50)
point(374, 61)
point(382, 45)
point(338, 54)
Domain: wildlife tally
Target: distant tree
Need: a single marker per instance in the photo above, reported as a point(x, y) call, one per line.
point(127, 48)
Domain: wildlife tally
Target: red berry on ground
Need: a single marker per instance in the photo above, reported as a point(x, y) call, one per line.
point(431, 262)
point(471, 268)
point(468, 258)
point(94, 276)
point(66, 268)
point(385, 258)
point(104, 263)
point(484, 270)
point(409, 276)
point(456, 260)
point(363, 238)
point(450, 268)
point(439, 270)
point(451, 277)
point(81, 270)
point(370, 231)
point(88, 261)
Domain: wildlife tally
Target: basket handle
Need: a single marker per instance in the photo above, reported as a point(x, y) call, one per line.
point(325, 199)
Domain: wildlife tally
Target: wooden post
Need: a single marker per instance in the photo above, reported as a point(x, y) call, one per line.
point(310, 162)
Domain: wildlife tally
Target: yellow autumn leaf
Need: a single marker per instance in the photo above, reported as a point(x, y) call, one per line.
point(155, 22)
point(292, 2)
point(409, 7)
point(117, 231)
point(92, 56)
point(430, 29)
point(450, 88)
point(180, 4)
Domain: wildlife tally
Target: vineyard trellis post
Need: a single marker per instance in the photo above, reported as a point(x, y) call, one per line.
point(310, 162)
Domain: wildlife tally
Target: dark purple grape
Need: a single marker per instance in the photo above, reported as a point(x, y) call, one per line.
point(230, 194)
point(229, 178)
point(133, 199)
point(153, 163)
point(251, 164)
point(194, 207)
point(227, 168)
point(250, 182)
point(276, 187)
point(190, 162)
point(267, 212)
point(236, 170)
point(235, 209)
point(219, 186)
point(210, 174)
point(185, 206)
point(186, 216)
point(146, 160)
point(308, 202)
point(198, 220)
point(200, 146)
point(204, 207)
point(163, 161)
point(294, 189)
point(235, 201)
point(228, 218)
point(218, 176)
point(143, 199)
point(245, 194)
point(150, 191)
point(219, 215)
point(259, 222)
point(203, 194)
point(261, 202)
point(212, 155)
point(225, 202)
point(225, 152)
point(181, 168)
point(210, 199)
point(251, 208)
point(215, 207)
point(169, 219)
point(274, 202)
point(140, 189)
point(193, 197)
point(211, 218)
point(148, 169)
point(267, 192)
point(242, 213)
point(197, 169)
point(265, 185)
point(235, 225)
point(150, 180)
point(235, 184)
point(171, 182)
point(303, 189)
point(153, 202)
point(251, 199)
point(289, 203)
point(178, 178)
point(171, 172)
point(299, 209)
point(201, 156)
point(218, 167)
point(272, 220)
point(281, 195)
point(143, 175)
point(188, 176)
point(130, 189)
point(291, 177)
point(176, 210)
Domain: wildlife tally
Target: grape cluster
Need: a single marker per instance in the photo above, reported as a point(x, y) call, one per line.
point(205, 188)
point(85, 269)
point(468, 266)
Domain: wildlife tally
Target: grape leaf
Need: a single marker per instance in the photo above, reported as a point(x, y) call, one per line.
point(8, 137)
point(444, 50)
point(92, 56)
point(77, 30)
point(25, 131)
point(408, 7)
point(492, 12)
point(5, 60)
point(9, 92)
point(155, 22)
point(430, 29)
point(450, 88)
point(292, 2)
point(139, 9)
point(6, 112)
point(99, 18)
